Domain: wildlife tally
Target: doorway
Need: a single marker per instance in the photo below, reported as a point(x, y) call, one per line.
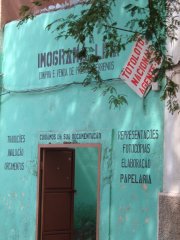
point(56, 198)
point(68, 192)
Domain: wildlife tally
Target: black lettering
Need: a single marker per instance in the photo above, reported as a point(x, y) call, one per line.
point(16, 139)
point(138, 134)
point(16, 152)
point(14, 166)
point(135, 178)
point(41, 60)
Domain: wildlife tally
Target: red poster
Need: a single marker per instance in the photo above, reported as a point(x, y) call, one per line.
point(138, 72)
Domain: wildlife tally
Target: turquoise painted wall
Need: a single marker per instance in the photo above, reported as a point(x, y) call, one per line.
point(128, 204)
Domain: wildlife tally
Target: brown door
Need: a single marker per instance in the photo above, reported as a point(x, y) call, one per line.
point(56, 199)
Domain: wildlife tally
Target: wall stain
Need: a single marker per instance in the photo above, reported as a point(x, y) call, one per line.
point(32, 167)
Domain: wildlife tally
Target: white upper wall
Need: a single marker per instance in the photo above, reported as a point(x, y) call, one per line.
point(172, 132)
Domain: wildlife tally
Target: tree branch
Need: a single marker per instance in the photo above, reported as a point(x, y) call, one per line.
point(121, 29)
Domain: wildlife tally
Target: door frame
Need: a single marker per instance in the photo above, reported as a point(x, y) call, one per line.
point(63, 146)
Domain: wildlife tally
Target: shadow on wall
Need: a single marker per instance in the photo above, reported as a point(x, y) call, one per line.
point(85, 225)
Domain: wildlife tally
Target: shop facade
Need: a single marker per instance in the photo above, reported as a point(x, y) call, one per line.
point(64, 153)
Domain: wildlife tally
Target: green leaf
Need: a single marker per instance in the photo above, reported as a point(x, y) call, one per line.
point(23, 10)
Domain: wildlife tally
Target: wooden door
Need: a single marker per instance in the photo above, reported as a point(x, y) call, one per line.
point(56, 199)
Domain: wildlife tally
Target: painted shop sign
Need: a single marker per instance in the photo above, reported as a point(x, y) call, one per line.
point(15, 151)
point(64, 62)
point(67, 137)
point(138, 72)
point(136, 150)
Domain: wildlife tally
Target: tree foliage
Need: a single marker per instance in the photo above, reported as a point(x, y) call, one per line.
point(156, 22)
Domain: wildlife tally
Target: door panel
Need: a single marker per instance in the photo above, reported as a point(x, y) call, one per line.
point(57, 212)
point(57, 197)
point(58, 169)
point(57, 237)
